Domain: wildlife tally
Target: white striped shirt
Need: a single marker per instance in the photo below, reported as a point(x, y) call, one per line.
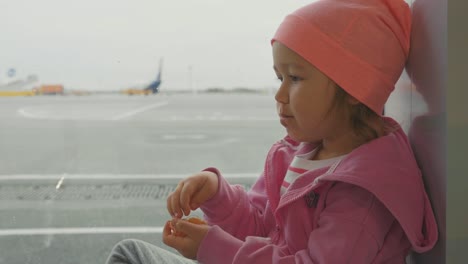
point(303, 163)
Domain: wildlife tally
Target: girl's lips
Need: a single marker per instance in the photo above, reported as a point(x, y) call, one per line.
point(284, 119)
point(285, 116)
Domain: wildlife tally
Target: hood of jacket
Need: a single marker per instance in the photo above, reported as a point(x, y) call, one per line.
point(387, 168)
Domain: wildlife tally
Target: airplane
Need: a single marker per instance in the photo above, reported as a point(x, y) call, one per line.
point(18, 86)
point(151, 88)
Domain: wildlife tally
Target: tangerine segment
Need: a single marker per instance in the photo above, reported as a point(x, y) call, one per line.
point(193, 220)
point(174, 231)
point(196, 220)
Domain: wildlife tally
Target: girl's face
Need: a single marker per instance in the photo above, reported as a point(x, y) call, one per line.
point(305, 99)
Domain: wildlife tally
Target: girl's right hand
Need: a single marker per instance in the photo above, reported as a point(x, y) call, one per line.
point(191, 192)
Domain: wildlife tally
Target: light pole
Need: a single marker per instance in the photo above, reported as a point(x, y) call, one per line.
point(190, 79)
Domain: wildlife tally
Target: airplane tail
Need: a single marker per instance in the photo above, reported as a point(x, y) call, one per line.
point(160, 70)
point(154, 86)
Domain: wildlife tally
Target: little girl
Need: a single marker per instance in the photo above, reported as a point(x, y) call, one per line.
point(343, 185)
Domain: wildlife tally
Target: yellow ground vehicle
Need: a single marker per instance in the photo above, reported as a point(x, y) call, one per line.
point(17, 93)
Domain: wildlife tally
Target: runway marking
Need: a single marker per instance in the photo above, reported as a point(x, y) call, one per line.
point(101, 116)
point(182, 137)
point(176, 118)
point(40, 114)
point(138, 110)
point(27, 114)
point(27, 177)
point(79, 230)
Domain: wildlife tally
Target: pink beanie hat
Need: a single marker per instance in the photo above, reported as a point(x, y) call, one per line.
point(362, 45)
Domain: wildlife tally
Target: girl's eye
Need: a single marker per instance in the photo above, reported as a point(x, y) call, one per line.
point(291, 77)
point(294, 78)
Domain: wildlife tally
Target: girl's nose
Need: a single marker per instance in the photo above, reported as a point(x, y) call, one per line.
point(282, 95)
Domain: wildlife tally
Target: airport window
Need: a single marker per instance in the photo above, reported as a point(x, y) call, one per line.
point(106, 105)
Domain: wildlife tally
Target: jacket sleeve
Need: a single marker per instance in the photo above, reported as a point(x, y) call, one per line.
point(351, 229)
point(236, 211)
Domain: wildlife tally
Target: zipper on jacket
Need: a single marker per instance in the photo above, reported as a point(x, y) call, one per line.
point(276, 234)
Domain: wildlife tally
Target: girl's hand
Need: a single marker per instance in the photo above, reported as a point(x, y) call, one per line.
point(191, 193)
point(188, 244)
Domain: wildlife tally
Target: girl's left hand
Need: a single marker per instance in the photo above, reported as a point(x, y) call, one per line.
point(186, 245)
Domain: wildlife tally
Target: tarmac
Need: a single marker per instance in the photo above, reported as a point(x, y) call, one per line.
point(79, 174)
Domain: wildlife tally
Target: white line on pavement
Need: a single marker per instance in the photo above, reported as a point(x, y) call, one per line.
point(138, 110)
point(26, 113)
point(113, 176)
point(79, 230)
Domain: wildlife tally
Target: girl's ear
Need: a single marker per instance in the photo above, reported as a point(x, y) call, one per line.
point(352, 101)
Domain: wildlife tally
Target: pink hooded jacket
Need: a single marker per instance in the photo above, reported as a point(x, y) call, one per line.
point(370, 207)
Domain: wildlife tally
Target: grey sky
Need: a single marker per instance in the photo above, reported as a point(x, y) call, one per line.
point(115, 44)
